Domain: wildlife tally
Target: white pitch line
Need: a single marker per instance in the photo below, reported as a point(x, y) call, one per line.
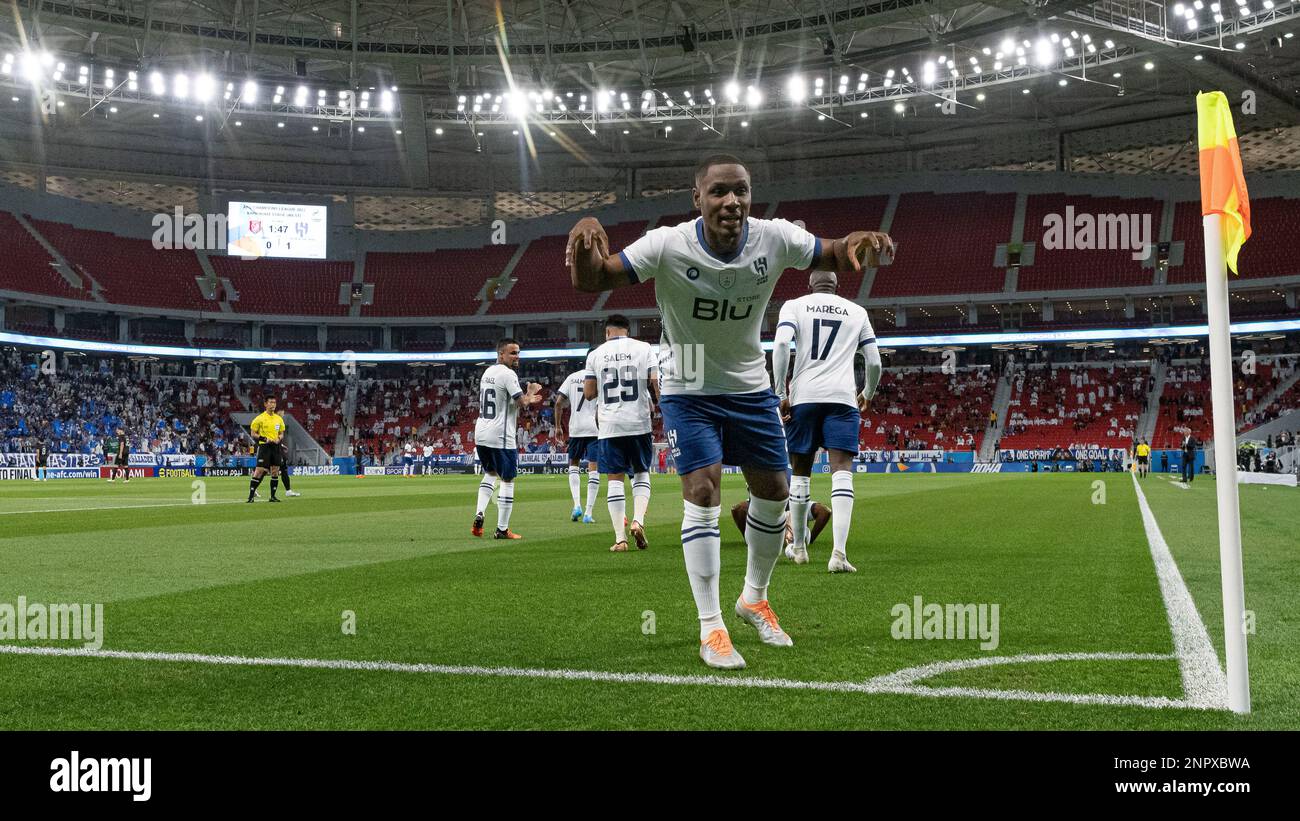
point(116, 507)
point(1204, 683)
point(881, 685)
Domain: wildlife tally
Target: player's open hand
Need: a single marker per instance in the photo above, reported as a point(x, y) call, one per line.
point(864, 404)
point(865, 248)
point(585, 236)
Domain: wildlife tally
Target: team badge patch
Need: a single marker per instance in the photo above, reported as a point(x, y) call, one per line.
point(727, 278)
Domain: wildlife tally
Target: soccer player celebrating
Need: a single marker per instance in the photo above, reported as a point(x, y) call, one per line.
point(823, 408)
point(408, 458)
point(580, 431)
point(623, 380)
point(714, 278)
point(500, 398)
point(268, 430)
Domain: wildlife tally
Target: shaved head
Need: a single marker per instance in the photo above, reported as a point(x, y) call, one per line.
point(823, 282)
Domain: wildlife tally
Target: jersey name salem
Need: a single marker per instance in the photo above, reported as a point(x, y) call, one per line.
point(622, 369)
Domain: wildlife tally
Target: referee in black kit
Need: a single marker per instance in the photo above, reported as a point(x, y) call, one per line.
point(268, 431)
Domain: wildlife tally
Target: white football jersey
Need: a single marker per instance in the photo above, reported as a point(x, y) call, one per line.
point(622, 368)
point(428, 451)
point(498, 414)
point(828, 331)
point(713, 306)
point(410, 449)
point(582, 413)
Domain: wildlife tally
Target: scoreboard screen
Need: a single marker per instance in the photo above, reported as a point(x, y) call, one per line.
point(267, 229)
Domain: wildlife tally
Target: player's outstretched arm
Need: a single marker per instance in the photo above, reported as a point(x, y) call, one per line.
point(858, 250)
point(592, 268)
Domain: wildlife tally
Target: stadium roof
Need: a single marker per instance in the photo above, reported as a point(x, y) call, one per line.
point(665, 79)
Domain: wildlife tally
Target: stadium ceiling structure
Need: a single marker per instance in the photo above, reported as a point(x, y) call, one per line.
point(786, 76)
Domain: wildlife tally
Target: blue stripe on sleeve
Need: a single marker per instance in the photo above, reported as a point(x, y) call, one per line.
point(627, 264)
point(870, 341)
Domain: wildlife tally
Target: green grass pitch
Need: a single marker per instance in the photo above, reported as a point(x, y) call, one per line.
point(225, 578)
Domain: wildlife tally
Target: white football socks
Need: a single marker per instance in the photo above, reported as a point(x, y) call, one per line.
point(617, 508)
point(485, 489)
point(800, 502)
point(764, 533)
point(841, 508)
point(640, 496)
point(505, 503)
point(702, 549)
point(575, 485)
point(593, 490)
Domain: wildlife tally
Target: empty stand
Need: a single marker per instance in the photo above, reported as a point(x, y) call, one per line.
point(440, 283)
point(27, 266)
point(543, 284)
point(130, 271)
point(946, 244)
point(285, 286)
point(1060, 269)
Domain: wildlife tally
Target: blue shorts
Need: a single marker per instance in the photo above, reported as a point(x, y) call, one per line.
point(742, 429)
point(816, 425)
point(625, 454)
point(502, 462)
point(582, 448)
point(408, 460)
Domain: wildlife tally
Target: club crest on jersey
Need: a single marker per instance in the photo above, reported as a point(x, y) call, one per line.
point(727, 278)
point(692, 273)
point(760, 270)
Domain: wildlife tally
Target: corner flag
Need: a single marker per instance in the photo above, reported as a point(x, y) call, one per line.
point(1223, 184)
point(1225, 218)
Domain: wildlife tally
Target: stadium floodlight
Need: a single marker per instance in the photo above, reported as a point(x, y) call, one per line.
point(320, 94)
point(1149, 65)
point(157, 85)
point(979, 97)
point(517, 104)
point(1192, 24)
point(386, 101)
point(1110, 44)
point(437, 132)
point(109, 76)
point(1069, 52)
point(1218, 18)
point(30, 64)
point(927, 72)
point(899, 108)
point(249, 94)
point(1044, 54)
point(1179, 8)
point(204, 88)
point(753, 97)
point(602, 100)
point(732, 90)
point(181, 86)
point(795, 88)
point(1055, 38)
point(1240, 46)
point(132, 81)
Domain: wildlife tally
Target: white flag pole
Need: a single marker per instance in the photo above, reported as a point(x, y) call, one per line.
point(1225, 465)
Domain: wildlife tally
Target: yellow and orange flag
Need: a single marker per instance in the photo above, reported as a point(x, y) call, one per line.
point(1223, 185)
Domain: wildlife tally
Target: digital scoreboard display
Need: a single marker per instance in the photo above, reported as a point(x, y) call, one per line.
point(269, 229)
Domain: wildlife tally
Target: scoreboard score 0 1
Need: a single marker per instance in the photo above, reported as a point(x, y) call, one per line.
point(260, 229)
